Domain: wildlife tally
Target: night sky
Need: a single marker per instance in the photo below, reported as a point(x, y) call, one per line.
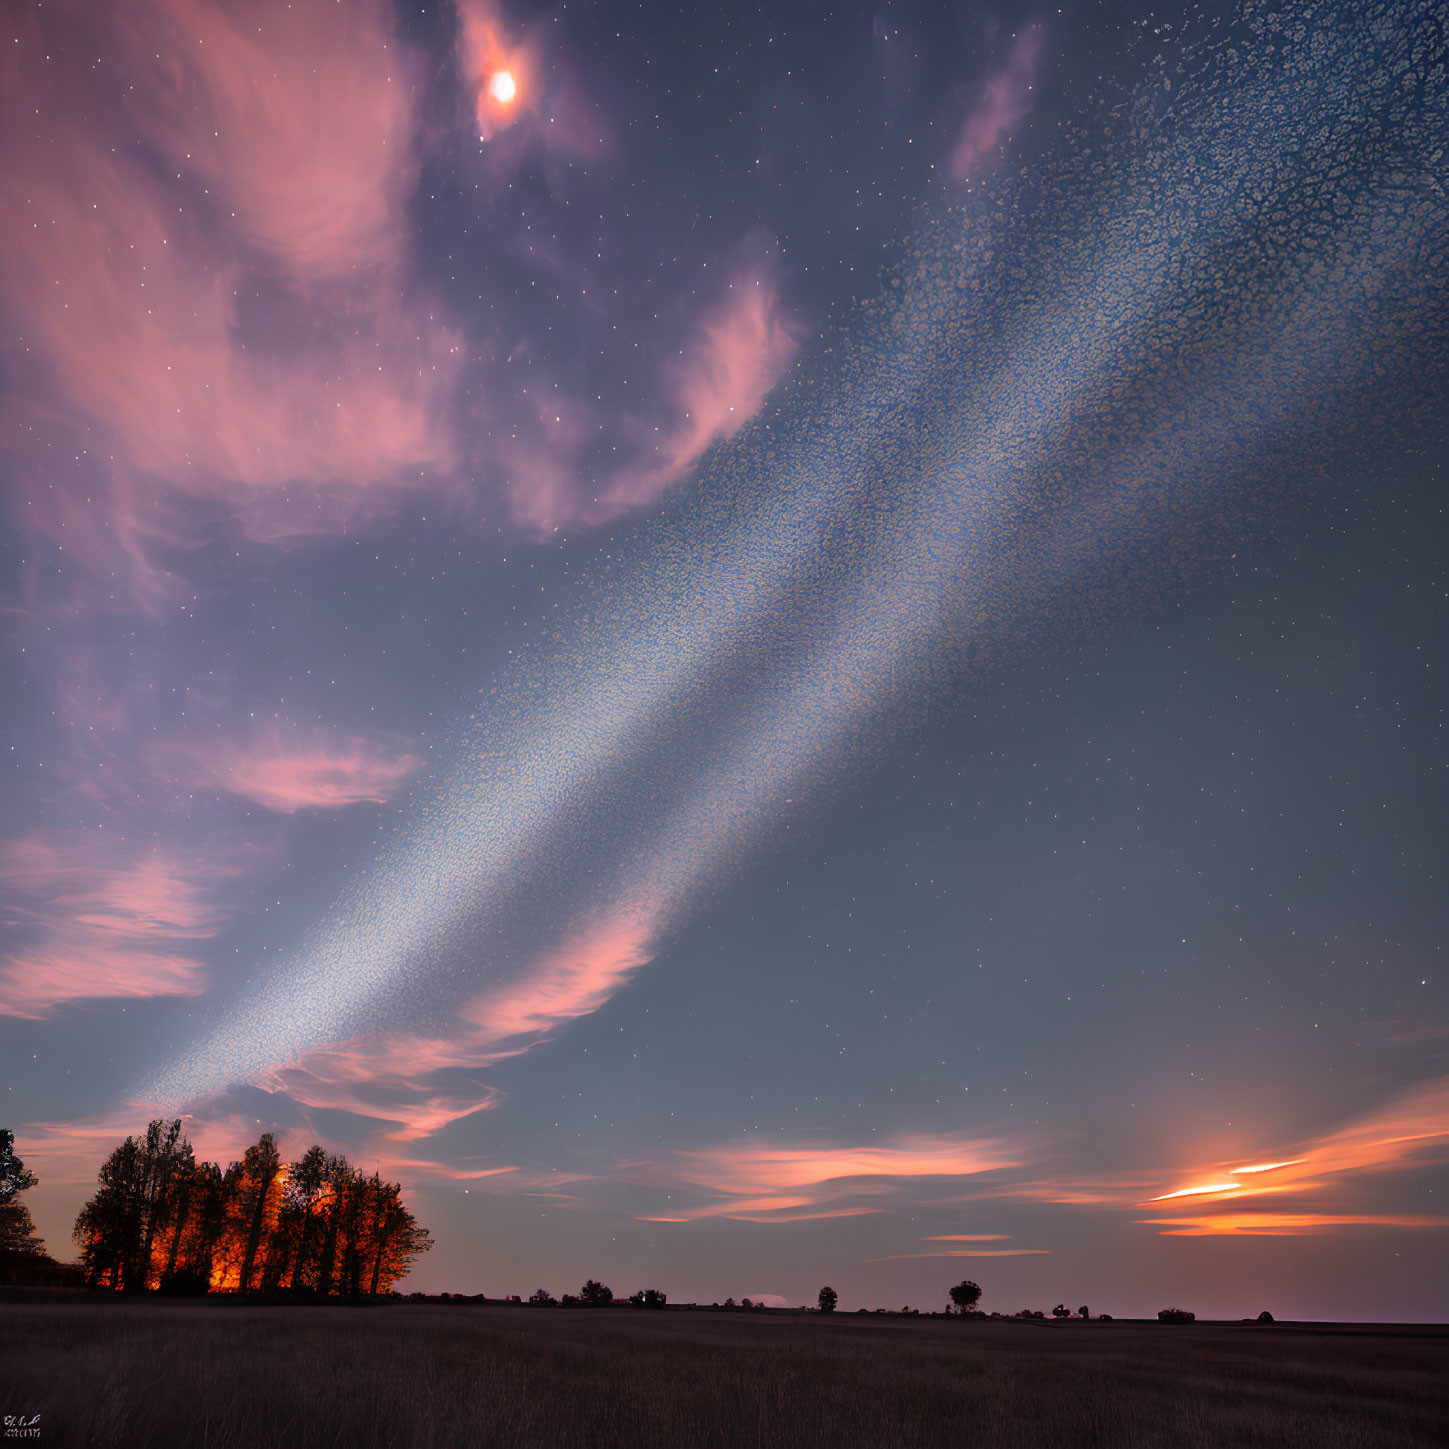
point(753, 647)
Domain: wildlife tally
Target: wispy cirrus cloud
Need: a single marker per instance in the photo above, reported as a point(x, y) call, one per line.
point(223, 324)
point(752, 1182)
point(732, 358)
point(419, 1083)
point(1410, 1130)
point(739, 353)
point(966, 1253)
point(1319, 1185)
point(752, 1168)
point(221, 308)
point(288, 772)
point(1005, 102)
point(89, 918)
point(966, 1238)
point(1285, 1225)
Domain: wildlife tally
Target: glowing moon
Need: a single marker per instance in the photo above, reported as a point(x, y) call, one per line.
point(501, 87)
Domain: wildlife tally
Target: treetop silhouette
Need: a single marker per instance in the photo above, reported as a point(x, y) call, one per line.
point(160, 1220)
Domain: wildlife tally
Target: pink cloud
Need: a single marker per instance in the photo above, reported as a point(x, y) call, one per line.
point(388, 1077)
point(570, 982)
point(740, 352)
point(753, 1183)
point(282, 146)
point(94, 918)
point(290, 775)
point(967, 1238)
point(1005, 102)
point(966, 1253)
point(218, 323)
point(749, 1168)
point(418, 1082)
point(765, 1210)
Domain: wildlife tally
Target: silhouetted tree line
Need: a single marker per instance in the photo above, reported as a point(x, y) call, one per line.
point(595, 1295)
point(17, 1231)
point(318, 1227)
point(23, 1259)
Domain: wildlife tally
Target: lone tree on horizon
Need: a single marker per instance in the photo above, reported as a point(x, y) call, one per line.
point(595, 1295)
point(966, 1295)
point(828, 1300)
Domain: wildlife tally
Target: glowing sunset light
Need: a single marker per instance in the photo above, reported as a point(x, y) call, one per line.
point(502, 87)
point(967, 1238)
point(1283, 1225)
point(1199, 1191)
point(1265, 1166)
point(966, 1253)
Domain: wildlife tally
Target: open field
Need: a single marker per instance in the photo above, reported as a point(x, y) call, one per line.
point(164, 1374)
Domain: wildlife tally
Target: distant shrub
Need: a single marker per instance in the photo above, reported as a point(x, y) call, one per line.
point(1175, 1315)
point(1104, 1318)
point(1265, 1317)
point(542, 1298)
point(965, 1295)
point(653, 1298)
point(595, 1294)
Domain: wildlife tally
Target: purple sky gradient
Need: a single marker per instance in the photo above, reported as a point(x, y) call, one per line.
point(807, 650)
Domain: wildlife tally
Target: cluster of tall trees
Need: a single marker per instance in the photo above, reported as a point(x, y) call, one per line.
point(161, 1220)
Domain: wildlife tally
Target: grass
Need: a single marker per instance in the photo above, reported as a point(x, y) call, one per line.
point(226, 1376)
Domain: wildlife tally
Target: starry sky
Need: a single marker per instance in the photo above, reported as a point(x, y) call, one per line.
point(752, 646)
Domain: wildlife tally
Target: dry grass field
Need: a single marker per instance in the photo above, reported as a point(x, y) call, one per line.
point(224, 1376)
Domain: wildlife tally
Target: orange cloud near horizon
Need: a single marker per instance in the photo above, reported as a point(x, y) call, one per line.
point(967, 1238)
point(1279, 1225)
point(966, 1253)
point(1410, 1127)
